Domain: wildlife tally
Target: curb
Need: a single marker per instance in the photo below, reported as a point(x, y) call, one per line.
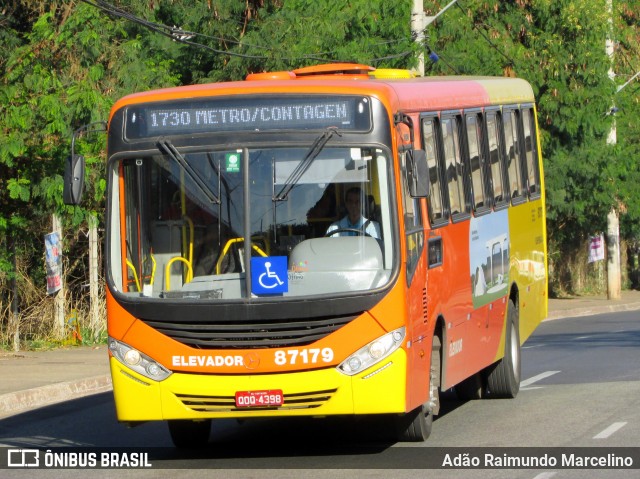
point(20, 401)
point(592, 311)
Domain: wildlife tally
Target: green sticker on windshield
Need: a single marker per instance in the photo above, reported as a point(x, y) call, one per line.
point(233, 162)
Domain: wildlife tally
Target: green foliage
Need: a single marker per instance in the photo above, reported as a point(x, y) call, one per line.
point(559, 47)
point(62, 66)
point(305, 32)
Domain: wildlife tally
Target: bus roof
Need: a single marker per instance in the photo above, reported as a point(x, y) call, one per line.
point(407, 95)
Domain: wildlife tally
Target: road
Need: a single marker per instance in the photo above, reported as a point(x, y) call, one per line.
point(580, 388)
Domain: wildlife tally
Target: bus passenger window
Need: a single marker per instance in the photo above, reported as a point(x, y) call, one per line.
point(509, 121)
point(436, 211)
point(497, 176)
point(533, 176)
point(453, 162)
point(476, 161)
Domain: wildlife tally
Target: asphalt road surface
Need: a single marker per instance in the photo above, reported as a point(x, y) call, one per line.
point(580, 388)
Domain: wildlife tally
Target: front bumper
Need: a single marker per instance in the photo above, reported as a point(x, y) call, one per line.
point(377, 390)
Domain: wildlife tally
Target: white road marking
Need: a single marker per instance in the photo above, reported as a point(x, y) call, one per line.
point(610, 430)
point(535, 379)
point(533, 346)
point(545, 475)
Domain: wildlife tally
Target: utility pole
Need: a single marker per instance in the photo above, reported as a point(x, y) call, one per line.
point(613, 228)
point(420, 21)
point(417, 30)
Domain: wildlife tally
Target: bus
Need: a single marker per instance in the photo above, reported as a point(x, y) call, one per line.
point(237, 289)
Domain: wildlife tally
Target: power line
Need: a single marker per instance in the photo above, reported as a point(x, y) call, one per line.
point(439, 57)
point(185, 37)
point(175, 33)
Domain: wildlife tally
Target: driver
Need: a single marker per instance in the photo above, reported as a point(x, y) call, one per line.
point(354, 220)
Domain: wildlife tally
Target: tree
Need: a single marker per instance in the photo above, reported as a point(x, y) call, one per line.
point(305, 32)
point(65, 68)
point(559, 48)
point(627, 100)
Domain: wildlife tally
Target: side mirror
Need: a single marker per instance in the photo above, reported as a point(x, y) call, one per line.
point(75, 166)
point(418, 174)
point(73, 180)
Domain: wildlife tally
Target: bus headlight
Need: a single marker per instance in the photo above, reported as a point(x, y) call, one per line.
point(140, 363)
point(372, 353)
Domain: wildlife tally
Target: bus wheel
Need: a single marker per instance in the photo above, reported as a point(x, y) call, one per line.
point(415, 426)
point(503, 378)
point(189, 434)
point(435, 378)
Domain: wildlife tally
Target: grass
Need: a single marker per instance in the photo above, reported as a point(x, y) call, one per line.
point(35, 319)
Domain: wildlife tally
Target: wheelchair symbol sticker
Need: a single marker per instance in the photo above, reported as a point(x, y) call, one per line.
point(269, 275)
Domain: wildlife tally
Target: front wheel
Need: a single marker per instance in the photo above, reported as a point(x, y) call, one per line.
point(415, 426)
point(190, 434)
point(503, 378)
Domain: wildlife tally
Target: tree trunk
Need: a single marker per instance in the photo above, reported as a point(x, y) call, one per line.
point(93, 278)
point(59, 302)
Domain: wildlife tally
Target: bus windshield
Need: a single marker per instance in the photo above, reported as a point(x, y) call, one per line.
point(182, 221)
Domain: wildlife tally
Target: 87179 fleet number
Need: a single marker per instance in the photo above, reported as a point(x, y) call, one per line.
point(303, 356)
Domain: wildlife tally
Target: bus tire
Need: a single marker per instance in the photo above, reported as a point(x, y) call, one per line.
point(415, 426)
point(189, 434)
point(435, 376)
point(503, 377)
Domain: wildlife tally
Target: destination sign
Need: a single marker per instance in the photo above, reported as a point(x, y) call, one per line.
point(248, 114)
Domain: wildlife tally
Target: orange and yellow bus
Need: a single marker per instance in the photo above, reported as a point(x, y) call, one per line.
point(335, 240)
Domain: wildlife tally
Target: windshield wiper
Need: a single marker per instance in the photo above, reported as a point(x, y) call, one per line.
point(172, 152)
point(304, 165)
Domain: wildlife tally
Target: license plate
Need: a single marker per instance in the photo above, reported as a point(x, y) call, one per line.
point(272, 397)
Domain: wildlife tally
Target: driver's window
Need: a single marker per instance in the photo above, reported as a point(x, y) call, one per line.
point(414, 233)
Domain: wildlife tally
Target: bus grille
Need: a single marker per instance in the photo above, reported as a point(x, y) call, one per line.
point(276, 333)
point(305, 400)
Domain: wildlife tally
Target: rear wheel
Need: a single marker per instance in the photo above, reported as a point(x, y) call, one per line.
point(190, 434)
point(503, 378)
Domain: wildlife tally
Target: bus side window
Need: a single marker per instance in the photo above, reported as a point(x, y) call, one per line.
point(436, 209)
point(530, 151)
point(512, 151)
point(454, 172)
point(497, 172)
point(476, 161)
